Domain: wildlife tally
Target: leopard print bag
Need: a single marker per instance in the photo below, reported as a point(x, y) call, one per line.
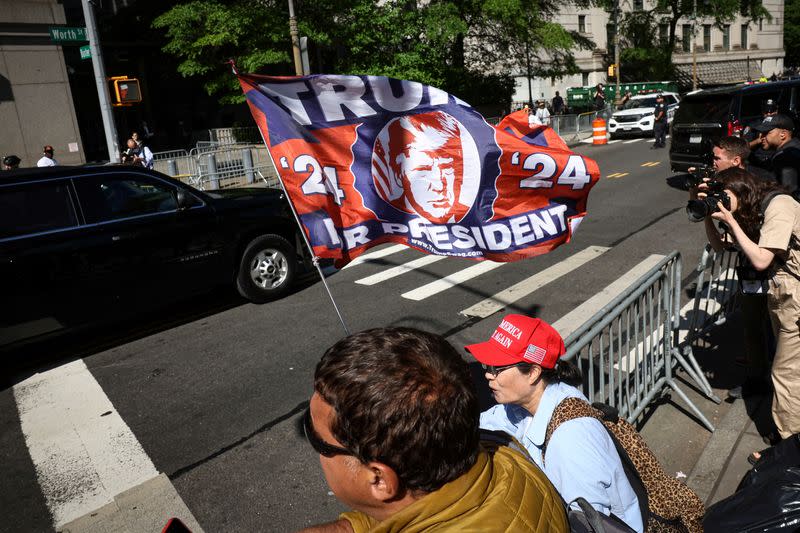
point(671, 506)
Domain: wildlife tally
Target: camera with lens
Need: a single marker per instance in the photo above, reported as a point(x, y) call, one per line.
point(700, 174)
point(700, 208)
point(128, 156)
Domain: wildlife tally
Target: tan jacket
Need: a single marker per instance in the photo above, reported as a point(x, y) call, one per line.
point(502, 492)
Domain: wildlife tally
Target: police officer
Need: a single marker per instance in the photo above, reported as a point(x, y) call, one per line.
point(660, 122)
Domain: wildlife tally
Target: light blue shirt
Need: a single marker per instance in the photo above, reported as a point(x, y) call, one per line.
point(581, 460)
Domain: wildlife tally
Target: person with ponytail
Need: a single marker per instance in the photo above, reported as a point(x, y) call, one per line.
point(528, 379)
point(764, 221)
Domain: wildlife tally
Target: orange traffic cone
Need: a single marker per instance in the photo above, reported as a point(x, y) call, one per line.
point(599, 131)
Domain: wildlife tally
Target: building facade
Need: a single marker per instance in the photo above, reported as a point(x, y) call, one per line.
point(36, 101)
point(738, 51)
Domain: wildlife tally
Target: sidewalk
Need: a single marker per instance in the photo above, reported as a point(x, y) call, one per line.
point(719, 459)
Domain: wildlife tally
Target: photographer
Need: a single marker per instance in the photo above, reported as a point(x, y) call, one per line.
point(136, 155)
point(764, 222)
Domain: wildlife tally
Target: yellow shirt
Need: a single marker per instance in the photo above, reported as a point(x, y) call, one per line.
point(502, 492)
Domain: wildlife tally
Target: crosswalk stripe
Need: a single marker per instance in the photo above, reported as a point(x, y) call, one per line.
point(578, 316)
point(399, 269)
point(377, 254)
point(633, 141)
point(516, 292)
point(452, 280)
point(83, 451)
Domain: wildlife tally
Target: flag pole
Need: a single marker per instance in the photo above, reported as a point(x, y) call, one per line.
point(314, 258)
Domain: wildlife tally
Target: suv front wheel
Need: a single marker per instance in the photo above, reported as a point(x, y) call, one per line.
point(267, 269)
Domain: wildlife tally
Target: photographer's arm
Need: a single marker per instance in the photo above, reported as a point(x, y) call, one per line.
point(759, 257)
point(713, 235)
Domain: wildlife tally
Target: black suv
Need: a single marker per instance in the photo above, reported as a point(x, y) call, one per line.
point(706, 116)
point(78, 244)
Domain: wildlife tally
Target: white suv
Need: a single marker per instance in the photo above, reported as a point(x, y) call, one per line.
point(636, 115)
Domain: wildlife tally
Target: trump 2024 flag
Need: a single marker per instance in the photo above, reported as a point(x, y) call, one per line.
point(368, 160)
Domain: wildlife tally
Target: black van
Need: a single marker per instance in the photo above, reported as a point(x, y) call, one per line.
point(706, 116)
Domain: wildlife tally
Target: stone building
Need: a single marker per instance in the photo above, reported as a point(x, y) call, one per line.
point(734, 53)
point(36, 102)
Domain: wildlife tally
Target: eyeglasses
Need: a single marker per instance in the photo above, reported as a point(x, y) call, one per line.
point(316, 442)
point(495, 370)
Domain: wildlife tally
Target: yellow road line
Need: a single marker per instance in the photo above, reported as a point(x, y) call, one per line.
point(617, 175)
point(651, 163)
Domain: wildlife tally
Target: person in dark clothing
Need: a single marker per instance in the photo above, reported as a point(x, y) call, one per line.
point(660, 122)
point(760, 157)
point(558, 104)
point(599, 97)
point(777, 135)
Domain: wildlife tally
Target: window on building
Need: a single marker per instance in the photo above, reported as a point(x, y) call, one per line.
point(686, 37)
point(584, 78)
point(582, 23)
point(760, 24)
point(638, 5)
point(663, 33)
point(706, 37)
point(745, 43)
point(726, 37)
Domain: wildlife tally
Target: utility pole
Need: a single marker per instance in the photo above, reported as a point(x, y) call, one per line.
point(694, 47)
point(102, 84)
point(616, 46)
point(528, 74)
point(298, 65)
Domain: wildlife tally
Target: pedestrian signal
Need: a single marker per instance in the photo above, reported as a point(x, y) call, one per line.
point(611, 71)
point(125, 91)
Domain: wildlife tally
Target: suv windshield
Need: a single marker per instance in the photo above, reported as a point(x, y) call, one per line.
point(705, 108)
point(640, 102)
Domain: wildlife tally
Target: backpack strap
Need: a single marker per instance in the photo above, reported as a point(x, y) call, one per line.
point(568, 409)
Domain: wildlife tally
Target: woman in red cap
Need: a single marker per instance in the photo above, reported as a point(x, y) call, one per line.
point(529, 380)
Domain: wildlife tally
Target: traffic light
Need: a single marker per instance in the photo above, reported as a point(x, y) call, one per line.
point(125, 91)
point(611, 71)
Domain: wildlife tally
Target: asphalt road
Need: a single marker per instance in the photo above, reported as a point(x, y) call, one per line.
point(212, 389)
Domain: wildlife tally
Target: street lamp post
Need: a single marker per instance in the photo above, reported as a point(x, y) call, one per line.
point(298, 66)
point(616, 45)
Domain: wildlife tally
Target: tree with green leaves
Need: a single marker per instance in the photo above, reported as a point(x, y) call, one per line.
point(471, 48)
point(791, 33)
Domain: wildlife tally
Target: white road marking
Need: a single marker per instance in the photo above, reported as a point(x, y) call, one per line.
point(400, 269)
point(452, 280)
point(614, 141)
point(83, 451)
point(633, 140)
point(516, 292)
point(377, 254)
point(578, 316)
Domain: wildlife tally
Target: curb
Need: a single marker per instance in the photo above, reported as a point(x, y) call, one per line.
point(707, 473)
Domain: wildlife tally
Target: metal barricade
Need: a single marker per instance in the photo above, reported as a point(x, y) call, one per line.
point(233, 166)
point(236, 135)
point(627, 351)
point(714, 300)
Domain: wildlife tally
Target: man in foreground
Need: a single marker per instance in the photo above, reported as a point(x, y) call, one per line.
point(394, 417)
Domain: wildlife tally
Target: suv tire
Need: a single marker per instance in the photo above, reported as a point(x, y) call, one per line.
point(267, 269)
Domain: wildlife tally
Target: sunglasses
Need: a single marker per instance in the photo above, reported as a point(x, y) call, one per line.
point(495, 370)
point(316, 442)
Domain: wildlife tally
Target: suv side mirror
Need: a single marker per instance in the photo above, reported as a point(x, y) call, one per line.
point(182, 199)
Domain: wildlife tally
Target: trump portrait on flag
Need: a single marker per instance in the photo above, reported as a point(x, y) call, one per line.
point(427, 164)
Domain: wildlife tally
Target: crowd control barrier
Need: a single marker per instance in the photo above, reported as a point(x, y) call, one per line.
point(209, 167)
point(628, 351)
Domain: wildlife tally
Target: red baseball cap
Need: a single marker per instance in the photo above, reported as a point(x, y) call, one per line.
point(520, 339)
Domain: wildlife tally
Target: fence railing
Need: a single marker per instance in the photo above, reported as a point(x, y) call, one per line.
point(627, 351)
point(216, 167)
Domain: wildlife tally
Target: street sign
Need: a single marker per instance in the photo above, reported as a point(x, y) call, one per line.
point(67, 35)
point(86, 52)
